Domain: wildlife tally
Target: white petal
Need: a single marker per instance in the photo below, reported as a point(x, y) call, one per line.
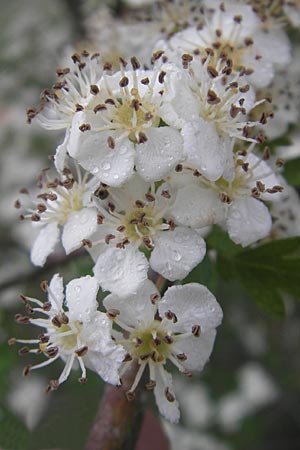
point(137, 309)
point(170, 410)
point(177, 252)
point(248, 221)
point(61, 153)
point(197, 207)
point(107, 366)
point(56, 292)
point(204, 148)
point(111, 166)
point(193, 304)
point(80, 225)
point(44, 244)
point(121, 270)
point(159, 154)
point(104, 356)
point(197, 350)
point(274, 46)
point(81, 296)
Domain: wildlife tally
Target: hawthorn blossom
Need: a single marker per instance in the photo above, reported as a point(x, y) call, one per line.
point(236, 204)
point(211, 107)
point(233, 32)
point(73, 92)
point(79, 334)
point(125, 128)
point(180, 328)
point(62, 206)
point(135, 218)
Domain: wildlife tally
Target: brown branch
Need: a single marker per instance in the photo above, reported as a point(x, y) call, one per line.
point(118, 422)
point(60, 259)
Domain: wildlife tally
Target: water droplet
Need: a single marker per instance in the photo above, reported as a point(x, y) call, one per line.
point(95, 169)
point(105, 165)
point(116, 176)
point(78, 289)
point(176, 256)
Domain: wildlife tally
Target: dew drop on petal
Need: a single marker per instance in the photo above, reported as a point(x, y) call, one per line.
point(105, 165)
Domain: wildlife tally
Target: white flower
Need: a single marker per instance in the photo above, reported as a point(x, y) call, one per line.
point(61, 204)
point(233, 32)
point(233, 203)
point(180, 328)
point(124, 130)
point(135, 217)
point(73, 92)
point(211, 107)
point(78, 334)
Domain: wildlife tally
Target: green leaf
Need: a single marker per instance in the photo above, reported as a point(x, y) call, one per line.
point(205, 273)
point(291, 172)
point(13, 433)
point(264, 272)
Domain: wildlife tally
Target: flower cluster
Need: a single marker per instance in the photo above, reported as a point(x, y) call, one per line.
point(154, 153)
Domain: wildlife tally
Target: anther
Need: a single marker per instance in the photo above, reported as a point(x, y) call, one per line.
point(150, 385)
point(112, 313)
point(135, 63)
point(145, 81)
point(109, 237)
point(26, 370)
point(280, 162)
point(17, 204)
point(100, 219)
point(150, 197)
point(23, 351)
point(127, 358)
point(111, 142)
point(52, 352)
point(47, 306)
point(196, 330)
point(84, 127)
point(165, 194)
point(238, 18)
point(137, 342)
point(107, 66)
point(142, 138)
point(181, 356)
point(154, 298)
point(99, 107)
point(179, 168)
point(161, 76)
point(22, 319)
point(156, 55)
point(213, 73)
point(82, 351)
point(82, 380)
point(94, 89)
point(139, 204)
point(130, 396)
point(35, 218)
point(12, 341)
point(168, 339)
point(56, 321)
point(79, 107)
point(212, 97)
point(171, 316)
point(124, 82)
point(170, 397)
